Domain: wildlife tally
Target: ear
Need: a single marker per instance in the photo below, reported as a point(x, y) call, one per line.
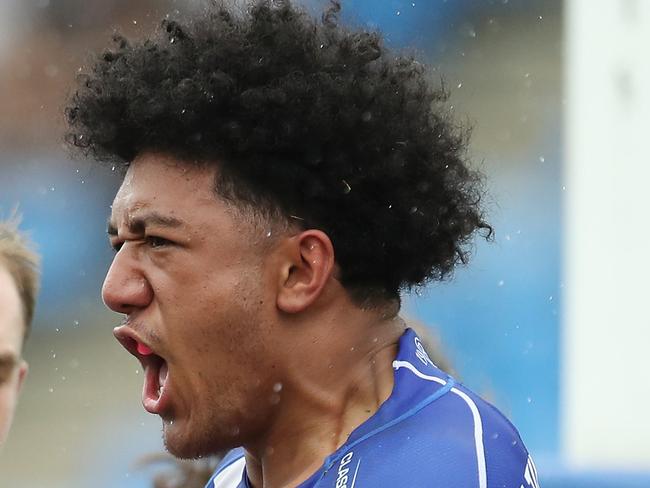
point(308, 265)
point(23, 367)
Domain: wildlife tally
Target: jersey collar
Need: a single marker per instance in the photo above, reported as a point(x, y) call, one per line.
point(417, 383)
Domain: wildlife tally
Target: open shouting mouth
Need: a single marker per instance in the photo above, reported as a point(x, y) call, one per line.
point(154, 391)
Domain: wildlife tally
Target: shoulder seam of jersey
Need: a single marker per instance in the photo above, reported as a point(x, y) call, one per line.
point(446, 387)
point(476, 417)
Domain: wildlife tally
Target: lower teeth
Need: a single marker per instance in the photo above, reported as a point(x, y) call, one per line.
point(162, 377)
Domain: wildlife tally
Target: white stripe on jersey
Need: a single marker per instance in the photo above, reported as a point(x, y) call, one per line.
point(530, 474)
point(231, 475)
point(417, 372)
point(478, 424)
point(478, 437)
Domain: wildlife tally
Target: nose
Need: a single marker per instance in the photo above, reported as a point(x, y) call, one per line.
point(126, 288)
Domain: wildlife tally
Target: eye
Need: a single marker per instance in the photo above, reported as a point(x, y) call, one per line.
point(157, 242)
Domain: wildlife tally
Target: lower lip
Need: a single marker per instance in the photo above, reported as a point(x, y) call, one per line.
point(152, 401)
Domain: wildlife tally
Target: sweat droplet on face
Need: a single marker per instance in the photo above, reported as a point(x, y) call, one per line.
point(144, 350)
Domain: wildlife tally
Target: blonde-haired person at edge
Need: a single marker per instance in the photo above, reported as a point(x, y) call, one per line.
point(195, 473)
point(19, 281)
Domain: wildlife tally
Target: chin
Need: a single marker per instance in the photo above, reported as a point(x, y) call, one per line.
point(194, 443)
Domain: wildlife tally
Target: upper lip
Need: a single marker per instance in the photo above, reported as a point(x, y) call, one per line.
point(130, 340)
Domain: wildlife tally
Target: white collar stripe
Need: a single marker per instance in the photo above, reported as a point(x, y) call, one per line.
point(478, 424)
point(231, 475)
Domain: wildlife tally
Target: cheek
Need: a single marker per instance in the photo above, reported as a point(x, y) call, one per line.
point(7, 404)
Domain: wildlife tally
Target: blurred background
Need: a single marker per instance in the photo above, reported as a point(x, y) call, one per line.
point(543, 322)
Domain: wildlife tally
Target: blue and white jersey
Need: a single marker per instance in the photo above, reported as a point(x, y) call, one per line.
point(431, 433)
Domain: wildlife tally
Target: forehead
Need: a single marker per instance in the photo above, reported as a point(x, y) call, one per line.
point(11, 321)
point(166, 182)
point(160, 191)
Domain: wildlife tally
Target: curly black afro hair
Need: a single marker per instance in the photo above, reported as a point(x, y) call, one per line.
point(306, 119)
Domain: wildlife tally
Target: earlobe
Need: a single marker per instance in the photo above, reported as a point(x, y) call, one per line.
point(307, 270)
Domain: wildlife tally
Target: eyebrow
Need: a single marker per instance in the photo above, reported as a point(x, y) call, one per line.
point(138, 225)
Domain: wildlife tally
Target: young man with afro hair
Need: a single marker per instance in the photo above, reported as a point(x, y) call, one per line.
point(284, 180)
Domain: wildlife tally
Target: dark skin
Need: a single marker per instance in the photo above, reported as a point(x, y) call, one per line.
point(264, 347)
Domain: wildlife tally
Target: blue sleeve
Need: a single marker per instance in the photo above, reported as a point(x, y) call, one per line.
point(507, 459)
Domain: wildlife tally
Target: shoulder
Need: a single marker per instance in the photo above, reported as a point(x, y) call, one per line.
point(230, 471)
point(457, 441)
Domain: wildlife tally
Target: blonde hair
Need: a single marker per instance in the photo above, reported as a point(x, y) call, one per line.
point(23, 264)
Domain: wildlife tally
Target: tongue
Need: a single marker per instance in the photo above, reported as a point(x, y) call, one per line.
point(144, 350)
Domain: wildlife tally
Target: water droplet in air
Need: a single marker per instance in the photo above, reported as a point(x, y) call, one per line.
point(542, 159)
point(346, 187)
point(468, 30)
point(277, 387)
point(460, 85)
point(529, 400)
point(501, 283)
point(51, 390)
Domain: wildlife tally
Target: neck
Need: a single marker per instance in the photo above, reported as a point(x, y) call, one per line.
point(340, 373)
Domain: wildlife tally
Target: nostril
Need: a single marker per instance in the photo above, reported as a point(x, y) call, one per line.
point(125, 294)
